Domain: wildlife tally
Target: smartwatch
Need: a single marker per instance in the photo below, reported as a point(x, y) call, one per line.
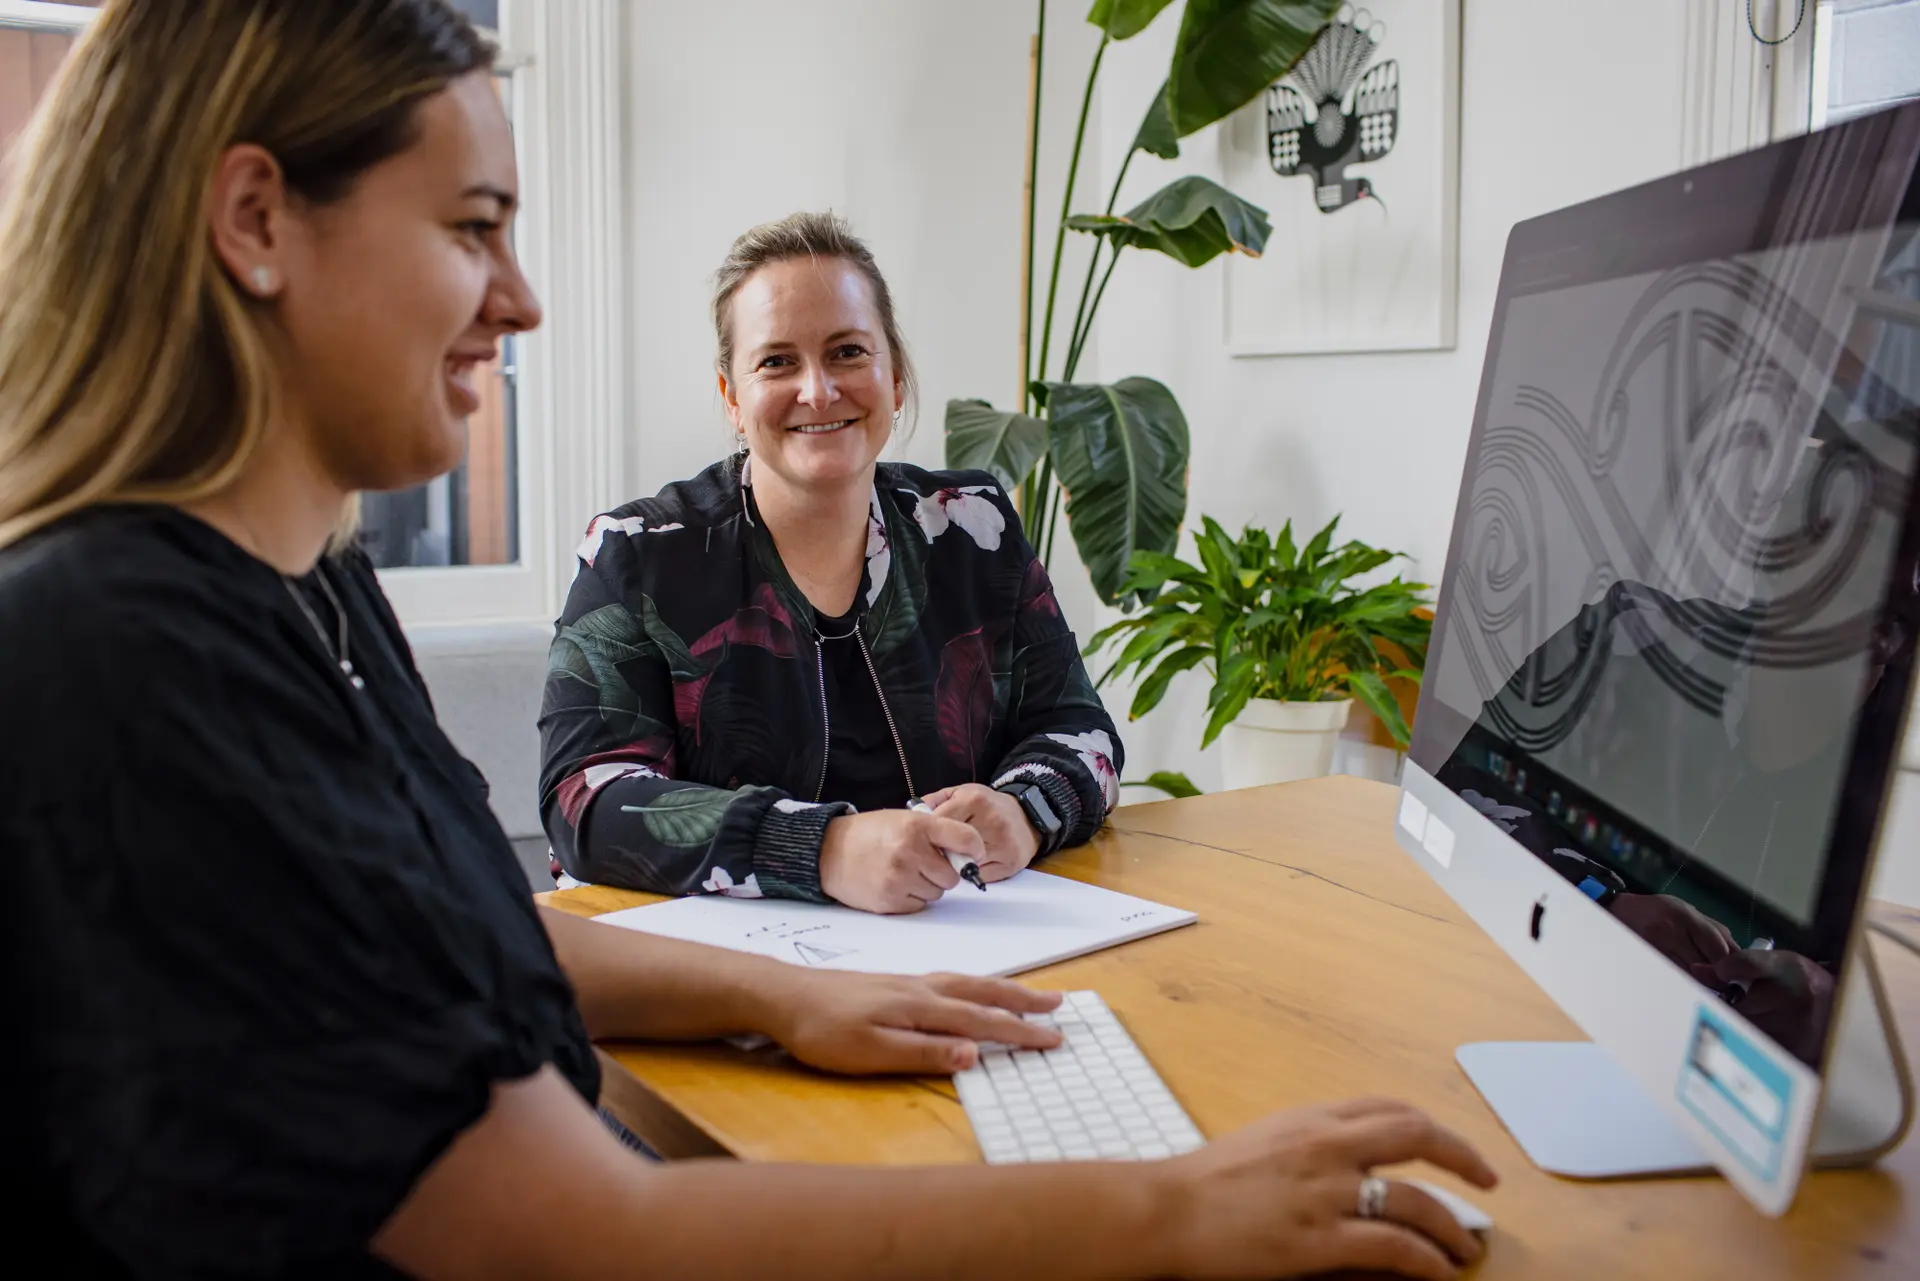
point(1594, 879)
point(1599, 891)
point(1039, 812)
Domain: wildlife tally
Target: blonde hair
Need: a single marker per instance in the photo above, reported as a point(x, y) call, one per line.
point(132, 369)
point(806, 235)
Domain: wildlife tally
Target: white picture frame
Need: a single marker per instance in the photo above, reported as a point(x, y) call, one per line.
point(1380, 272)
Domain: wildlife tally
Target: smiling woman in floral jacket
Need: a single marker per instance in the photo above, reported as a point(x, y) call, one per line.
point(758, 668)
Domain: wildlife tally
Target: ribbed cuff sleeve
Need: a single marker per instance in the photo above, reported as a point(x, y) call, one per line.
point(1065, 799)
point(786, 850)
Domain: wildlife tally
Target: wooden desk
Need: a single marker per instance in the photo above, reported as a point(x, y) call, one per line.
point(1325, 964)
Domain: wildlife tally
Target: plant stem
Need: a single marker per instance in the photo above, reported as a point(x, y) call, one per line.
point(1080, 312)
point(1047, 522)
point(1037, 528)
point(1083, 315)
point(1080, 342)
point(1066, 206)
point(1113, 197)
point(1039, 49)
point(1053, 525)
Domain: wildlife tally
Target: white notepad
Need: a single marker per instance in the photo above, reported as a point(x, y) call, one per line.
point(1030, 920)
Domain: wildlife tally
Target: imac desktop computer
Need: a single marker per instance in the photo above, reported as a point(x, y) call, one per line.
point(1672, 657)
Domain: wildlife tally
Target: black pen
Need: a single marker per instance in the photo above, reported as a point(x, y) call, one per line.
point(968, 869)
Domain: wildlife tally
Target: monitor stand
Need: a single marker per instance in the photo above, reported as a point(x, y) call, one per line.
point(1576, 1113)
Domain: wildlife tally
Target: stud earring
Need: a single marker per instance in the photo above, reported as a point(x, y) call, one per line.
point(262, 278)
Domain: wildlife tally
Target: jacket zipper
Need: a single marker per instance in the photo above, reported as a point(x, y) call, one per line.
point(861, 636)
point(826, 722)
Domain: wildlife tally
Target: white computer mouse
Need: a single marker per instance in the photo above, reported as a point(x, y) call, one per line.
point(1465, 1213)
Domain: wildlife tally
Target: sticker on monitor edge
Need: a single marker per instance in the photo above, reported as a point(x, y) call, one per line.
point(1735, 1089)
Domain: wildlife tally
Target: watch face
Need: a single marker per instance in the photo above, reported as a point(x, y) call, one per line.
point(1034, 801)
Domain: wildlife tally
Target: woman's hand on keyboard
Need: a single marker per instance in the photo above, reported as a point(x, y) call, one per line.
point(1281, 1197)
point(865, 1024)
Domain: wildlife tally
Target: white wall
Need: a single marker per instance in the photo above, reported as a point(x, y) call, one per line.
point(908, 119)
point(1559, 103)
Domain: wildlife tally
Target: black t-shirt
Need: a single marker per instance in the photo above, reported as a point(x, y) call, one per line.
point(266, 949)
point(863, 764)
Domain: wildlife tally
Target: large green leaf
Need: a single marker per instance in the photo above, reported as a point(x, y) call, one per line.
point(1156, 136)
point(1228, 51)
point(1160, 632)
point(1219, 555)
point(1105, 634)
point(1174, 784)
point(982, 438)
point(1373, 692)
point(1149, 571)
point(686, 818)
point(590, 650)
point(1124, 19)
point(1154, 688)
point(1237, 679)
point(1120, 452)
point(1191, 220)
point(680, 659)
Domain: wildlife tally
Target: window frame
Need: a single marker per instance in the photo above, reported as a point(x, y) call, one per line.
point(1820, 18)
point(1737, 93)
point(39, 15)
point(569, 394)
point(443, 595)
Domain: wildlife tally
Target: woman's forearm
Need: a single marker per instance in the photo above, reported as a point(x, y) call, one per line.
point(640, 986)
point(1075, 1221)
point(539, 1189)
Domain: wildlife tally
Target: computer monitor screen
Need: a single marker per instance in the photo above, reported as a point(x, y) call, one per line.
point(1673, 651)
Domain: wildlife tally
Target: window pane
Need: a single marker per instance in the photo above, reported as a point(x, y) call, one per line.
point(1872, 56)
point(484, 13)
point(470, 516)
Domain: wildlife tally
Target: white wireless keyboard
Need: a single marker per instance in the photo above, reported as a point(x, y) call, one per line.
point(1096, 1097)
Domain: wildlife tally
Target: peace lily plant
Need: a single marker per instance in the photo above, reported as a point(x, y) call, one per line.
point(1274, 624)
point(1118, 451)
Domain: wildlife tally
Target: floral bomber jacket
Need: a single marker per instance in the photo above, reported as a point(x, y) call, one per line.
point(684, 730)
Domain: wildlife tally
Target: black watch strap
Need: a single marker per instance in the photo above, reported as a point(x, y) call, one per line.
point(1047, 824)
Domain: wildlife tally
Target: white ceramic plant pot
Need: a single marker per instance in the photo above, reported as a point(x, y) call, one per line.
point(1275, 742)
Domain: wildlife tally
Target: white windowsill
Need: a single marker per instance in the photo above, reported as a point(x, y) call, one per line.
point(45, 17)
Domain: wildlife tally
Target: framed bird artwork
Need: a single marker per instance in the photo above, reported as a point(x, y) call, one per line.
point(1355, 156)
point(1348, 113)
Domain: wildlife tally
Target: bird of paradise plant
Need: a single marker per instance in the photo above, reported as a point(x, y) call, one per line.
point(1117, 451)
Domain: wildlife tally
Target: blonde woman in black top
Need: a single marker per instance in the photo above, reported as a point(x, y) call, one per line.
point(277, 1002)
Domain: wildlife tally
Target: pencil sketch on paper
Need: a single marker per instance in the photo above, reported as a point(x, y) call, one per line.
point(814, 954)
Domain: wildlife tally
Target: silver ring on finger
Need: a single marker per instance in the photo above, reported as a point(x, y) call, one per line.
point(1373, 1197)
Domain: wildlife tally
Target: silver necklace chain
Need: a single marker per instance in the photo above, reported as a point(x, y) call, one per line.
point(820, 635)
point(341, 652)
